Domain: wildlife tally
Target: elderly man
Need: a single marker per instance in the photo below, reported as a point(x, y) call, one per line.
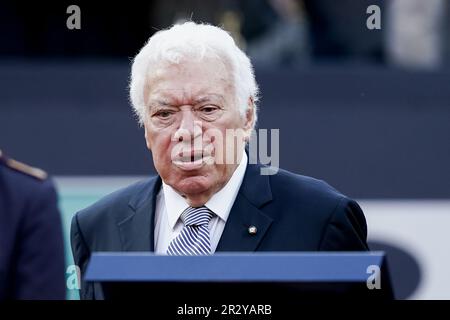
point(190, 85)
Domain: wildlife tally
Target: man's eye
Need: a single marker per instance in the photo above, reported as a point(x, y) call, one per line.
point(208, 110)
point(164, 114)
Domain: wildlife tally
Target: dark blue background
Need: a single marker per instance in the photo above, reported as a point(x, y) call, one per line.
point(372, 132)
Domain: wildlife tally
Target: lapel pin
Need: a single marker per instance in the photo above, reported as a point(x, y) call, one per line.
point(252, 230)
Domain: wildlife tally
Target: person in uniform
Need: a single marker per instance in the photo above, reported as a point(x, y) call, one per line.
point(31, 240)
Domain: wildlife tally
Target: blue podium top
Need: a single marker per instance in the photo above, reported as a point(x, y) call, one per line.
point(234, 267)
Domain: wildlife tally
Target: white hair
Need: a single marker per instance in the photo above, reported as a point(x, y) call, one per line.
point(193, 40)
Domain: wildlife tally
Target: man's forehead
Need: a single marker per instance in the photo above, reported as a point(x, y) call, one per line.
point(176, 96)
point(199, 82)
point(206, 65)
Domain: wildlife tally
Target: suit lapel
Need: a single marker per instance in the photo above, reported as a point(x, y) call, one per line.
point(137, 229)
point(245, 213)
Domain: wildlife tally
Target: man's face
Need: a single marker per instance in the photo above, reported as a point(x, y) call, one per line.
point(190, 106)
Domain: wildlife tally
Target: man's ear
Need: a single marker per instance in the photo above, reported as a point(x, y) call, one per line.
point(249, 116)
point(147, 138)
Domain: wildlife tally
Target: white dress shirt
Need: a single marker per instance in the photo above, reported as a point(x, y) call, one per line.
point(170, 205)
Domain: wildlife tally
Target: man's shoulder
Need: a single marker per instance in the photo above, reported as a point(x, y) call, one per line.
point(116, 204)
point(305, 196)
point(305, 201)
point(306, 187)
point(309, 206)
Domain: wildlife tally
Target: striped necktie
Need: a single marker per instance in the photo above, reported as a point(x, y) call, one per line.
point(194, 237)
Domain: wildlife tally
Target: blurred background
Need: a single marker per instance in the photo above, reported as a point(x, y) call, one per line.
point(367, 110)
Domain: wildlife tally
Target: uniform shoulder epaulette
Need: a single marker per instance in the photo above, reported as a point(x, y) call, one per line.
point(24, 168)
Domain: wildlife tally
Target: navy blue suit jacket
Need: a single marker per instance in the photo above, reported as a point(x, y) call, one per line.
point(291, 213)
point(31, 240)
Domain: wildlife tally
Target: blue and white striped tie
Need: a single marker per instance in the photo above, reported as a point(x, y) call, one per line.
point(194, 237)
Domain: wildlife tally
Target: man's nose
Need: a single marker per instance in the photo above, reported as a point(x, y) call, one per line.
point(190, 128)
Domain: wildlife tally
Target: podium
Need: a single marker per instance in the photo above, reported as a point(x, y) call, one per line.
point(241, 277)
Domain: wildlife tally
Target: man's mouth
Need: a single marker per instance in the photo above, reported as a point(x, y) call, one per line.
point(191, 161)
point(190, 157)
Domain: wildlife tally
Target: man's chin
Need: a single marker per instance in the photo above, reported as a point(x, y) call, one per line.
point(192, 185)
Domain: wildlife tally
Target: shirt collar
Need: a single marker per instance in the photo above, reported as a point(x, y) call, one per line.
point(220, 203)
